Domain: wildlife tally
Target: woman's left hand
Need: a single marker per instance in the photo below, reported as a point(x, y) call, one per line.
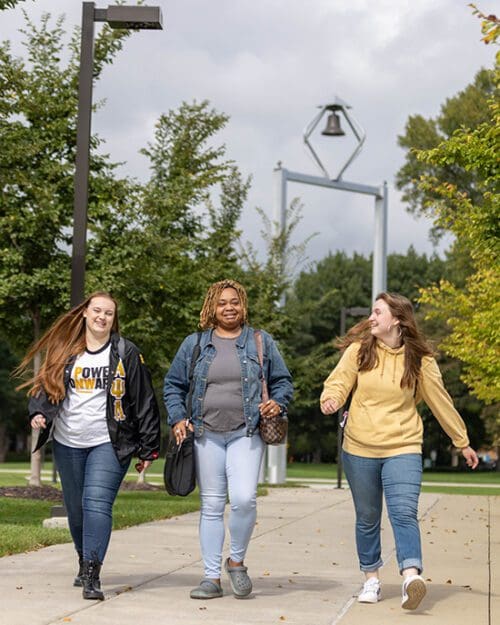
point(470, 457)
point(269, 408)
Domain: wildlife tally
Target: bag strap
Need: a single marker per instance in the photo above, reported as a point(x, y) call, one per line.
point(194, 358)
point(258, 342)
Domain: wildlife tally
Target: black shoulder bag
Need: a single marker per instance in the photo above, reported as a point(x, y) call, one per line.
point(179, 472)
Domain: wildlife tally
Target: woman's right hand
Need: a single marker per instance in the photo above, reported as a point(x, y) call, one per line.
point(329, 406)
point(39, 422)
point(179, 430)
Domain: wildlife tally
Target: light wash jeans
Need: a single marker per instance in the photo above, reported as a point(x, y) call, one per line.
point(90, 479)
point(398, 478)
point(227, 463)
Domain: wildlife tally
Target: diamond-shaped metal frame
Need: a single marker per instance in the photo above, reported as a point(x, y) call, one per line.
point(337, 105)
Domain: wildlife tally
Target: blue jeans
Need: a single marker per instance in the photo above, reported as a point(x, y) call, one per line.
point(227, 462)
point(399, 479)
point(90, 480)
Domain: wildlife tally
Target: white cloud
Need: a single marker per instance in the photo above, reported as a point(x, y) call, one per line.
point(268, 64)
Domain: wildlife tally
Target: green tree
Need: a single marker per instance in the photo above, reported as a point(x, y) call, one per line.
point(469, 108)
point(177, 234)
point(8, 4)
point(38, 109)
point(13, 406)
point(314, 307)
point(472, 310)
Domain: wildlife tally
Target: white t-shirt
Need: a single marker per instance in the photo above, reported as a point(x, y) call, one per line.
point(82, 419)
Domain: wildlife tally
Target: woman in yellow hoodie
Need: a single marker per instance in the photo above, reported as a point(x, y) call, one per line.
point(389, 367)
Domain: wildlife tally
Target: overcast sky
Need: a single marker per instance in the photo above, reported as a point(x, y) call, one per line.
point(268, 64)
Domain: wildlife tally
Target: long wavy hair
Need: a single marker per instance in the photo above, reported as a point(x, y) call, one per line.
point(64, 339)
point(209, 308)
point(415, 343)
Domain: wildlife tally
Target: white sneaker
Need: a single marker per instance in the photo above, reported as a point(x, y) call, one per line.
point(371, 592)
point(413, 592)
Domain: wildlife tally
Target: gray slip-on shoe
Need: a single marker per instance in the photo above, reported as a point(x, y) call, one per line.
point(241, 584)
point(207, 589)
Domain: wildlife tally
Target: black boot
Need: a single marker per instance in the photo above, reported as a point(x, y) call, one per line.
point(91, 581)
point(78, 578)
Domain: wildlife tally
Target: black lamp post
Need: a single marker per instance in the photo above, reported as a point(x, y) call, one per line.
point(129, 17)
point(354, 311)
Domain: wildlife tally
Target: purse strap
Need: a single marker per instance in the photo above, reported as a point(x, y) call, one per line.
point(258, 342)
point(194, 358)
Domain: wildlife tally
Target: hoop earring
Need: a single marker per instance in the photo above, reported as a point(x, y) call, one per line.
point(400, 331)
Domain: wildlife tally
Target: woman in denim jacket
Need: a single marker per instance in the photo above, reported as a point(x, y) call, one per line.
point(226, 408)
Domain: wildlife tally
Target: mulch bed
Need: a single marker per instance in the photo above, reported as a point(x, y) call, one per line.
point(46, 493)
point(49, 493)
point(138, 486)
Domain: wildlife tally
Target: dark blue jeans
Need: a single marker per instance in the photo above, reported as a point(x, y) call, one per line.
point(398, 478)
point(90, 480)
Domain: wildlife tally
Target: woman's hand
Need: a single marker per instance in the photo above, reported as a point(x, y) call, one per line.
point(329, 406)
point(269, 408)
point(39, 422)
point(179, 430)
point(143, 465)
point(470, 457)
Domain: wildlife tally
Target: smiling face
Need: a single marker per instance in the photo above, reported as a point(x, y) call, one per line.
point(99, 316)
point(383, 324)
point(229, 311)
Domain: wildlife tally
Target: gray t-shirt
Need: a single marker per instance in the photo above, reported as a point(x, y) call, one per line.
point(223, 402)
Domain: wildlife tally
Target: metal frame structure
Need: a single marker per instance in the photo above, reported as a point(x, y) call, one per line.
point(119, 16)
point(276, 456)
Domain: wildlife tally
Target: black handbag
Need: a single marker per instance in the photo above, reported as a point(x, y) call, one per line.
point(179, 471)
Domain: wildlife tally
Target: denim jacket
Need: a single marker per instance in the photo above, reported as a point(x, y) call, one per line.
point(176, 384)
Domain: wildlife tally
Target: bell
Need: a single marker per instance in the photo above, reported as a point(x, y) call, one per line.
point(333, 128)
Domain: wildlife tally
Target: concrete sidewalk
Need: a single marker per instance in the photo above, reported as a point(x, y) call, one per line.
point(302, 560)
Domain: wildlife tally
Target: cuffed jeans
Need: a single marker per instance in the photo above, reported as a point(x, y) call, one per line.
point(399, 479)
point(227, 462)
point(90, 480)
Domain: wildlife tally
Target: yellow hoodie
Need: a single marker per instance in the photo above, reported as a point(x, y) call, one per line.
point(383, 419)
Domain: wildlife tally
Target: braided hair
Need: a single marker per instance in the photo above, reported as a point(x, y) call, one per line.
point(207, 314)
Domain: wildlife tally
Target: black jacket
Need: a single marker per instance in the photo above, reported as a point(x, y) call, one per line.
point(131, 410)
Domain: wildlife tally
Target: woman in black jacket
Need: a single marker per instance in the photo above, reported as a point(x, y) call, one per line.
point(93, 395)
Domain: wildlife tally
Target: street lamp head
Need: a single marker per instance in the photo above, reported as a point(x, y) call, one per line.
point(134, 17)
point(333, 128)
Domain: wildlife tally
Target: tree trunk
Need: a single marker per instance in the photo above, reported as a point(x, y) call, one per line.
point(141, 478)
point(35, 478)
point(4, 442)
point(316, 455)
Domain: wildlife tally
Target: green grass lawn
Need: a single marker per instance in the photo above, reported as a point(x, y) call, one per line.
point(21, 519)
point(300, 470)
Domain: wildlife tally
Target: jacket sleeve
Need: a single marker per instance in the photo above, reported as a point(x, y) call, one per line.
point(342, 379)
point(176, 383)
point(146, 407)
point(431, 389)
point(279, 379)
point(40, 404)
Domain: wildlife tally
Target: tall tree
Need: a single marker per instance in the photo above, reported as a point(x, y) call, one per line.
point(472, 310)
point(468, 108)
point(314, 308)
point(38, 110)
point(178, 235)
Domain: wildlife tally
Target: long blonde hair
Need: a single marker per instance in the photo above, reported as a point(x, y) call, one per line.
point(416, 345)
point(64, 339)
point(207, 314)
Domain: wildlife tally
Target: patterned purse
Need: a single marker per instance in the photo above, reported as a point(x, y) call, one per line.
point(273, 428)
